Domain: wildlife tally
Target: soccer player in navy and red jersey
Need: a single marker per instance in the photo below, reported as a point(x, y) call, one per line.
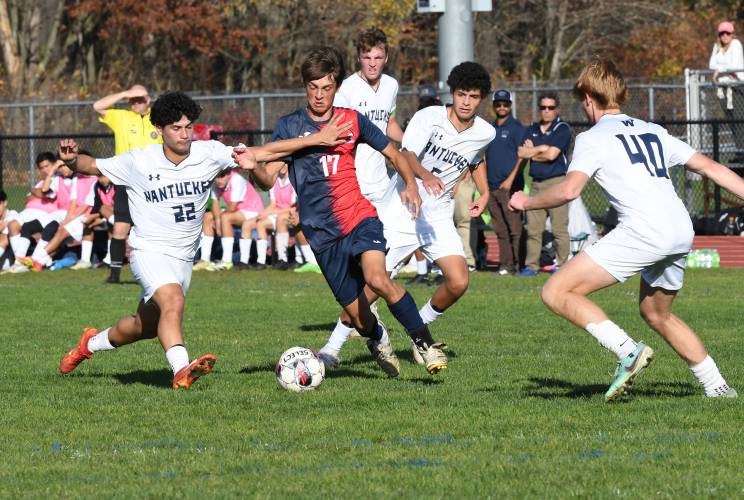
point(342, 225)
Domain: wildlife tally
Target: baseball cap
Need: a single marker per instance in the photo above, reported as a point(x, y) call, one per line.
point(726, 26)
point(502, 95)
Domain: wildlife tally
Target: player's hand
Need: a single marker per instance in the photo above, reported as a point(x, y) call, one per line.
point(517, 201)
point(334, 133)
point(294, 216)
point(245, 158)
point(68, 150)
point(478, 206)
point(411, 198)
point(433, 184)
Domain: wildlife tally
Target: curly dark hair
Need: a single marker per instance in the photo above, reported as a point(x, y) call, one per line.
point(369, 39)
point(171, 106)
point(469, 76)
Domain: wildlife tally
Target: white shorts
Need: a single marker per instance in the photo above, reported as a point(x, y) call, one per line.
point(436, 240)
point(31, 214)
point(58, 215)
point(153, 270)
point(75, 227)
point(249, 214)
point(11, 216)
point(617, 254)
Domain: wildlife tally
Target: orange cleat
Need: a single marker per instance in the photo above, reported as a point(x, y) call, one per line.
point(32, 265)
point(189, 374)
point(79, 353)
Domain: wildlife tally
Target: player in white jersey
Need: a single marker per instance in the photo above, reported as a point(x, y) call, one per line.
point(373, 94)
point(630, 158)
point(168, 187)
point(442, 143)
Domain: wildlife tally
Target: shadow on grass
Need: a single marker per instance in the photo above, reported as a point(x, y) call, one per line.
point(321, 327)
point(155, 378)
point(265, 367)
point(407, 355)
point(551, 388)
point(122, 282)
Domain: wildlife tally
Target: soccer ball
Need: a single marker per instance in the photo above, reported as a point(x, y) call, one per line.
point(299, 369)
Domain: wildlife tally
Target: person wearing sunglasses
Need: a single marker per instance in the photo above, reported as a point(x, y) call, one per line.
point(726, 57)
point(546, 147)
point(505, 177)
point(132, 129)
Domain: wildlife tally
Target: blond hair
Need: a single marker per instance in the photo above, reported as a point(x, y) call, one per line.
point(603, 82)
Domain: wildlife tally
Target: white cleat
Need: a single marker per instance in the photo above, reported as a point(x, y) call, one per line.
point(434, 357)
point(330, 360)
point(382, 350)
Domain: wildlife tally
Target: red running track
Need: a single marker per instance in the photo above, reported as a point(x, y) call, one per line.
point(730, 248)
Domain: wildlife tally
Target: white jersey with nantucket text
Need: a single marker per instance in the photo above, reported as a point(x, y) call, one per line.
point(443, 151)
point(167, 201)
point(377, 105)
point(631, 159)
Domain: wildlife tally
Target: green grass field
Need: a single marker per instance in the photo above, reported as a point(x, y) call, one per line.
point(520, 412)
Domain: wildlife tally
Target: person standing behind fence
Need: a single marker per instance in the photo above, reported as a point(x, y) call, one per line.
point(727, 55)
point(505, 177)
point(546, 146)
point(132, 129)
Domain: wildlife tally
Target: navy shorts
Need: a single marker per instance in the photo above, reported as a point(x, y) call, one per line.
point(340, 262)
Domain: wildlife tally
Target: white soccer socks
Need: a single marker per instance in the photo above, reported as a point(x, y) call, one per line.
point(177, 357)
point(612, 337)
point(711, 379)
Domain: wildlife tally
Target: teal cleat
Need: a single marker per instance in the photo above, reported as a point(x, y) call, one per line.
point(628, 369)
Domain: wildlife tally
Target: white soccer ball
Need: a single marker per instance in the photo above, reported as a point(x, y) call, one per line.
point(299, 369)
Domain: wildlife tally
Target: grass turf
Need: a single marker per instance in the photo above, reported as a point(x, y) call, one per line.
point(519, 413)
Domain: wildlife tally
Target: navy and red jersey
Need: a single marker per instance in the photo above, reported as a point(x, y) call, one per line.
point(324, 178)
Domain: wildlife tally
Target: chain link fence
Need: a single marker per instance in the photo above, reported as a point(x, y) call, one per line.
point(249, 118)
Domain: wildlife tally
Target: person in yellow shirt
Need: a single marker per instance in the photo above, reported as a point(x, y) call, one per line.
point(132, 129)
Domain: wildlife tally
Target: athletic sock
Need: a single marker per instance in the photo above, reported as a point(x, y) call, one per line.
point(422, 267)
point(206, 248)
point(376, 332)
point(245, 249)
point(116, 251)
point(612, 337)
point(282, 242)
point(20, 245)
point(307, 252)
point(429, 313)
point(2, 252)
point(40, 255)
point(86, 250)
point(227, 249)
point(177, 357)
point(406, 313)
point(708, 375)
point(338, 338)
point(100, 342)
point(261, 246)
point(298, 253)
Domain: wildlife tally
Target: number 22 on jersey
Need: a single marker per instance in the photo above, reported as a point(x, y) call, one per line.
point(330, 164)
point(636, 154)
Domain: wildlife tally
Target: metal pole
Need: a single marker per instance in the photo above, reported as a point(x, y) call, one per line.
point(262, 119)
point(716, 157)
point(31, 145)
point(651, 114)
point(1, 162)
point(455, 38)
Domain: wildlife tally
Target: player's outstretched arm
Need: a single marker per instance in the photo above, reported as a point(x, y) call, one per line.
point(410, 196)
point(333, 134)
point(265, 176)
point(481, 183)
point(720, 174)
point(68, 153)
point(559, 194)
